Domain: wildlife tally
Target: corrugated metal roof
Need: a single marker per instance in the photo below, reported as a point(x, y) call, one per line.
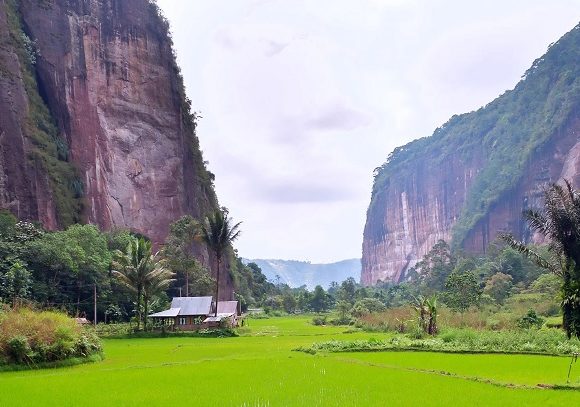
point(172, 312)
point(227, 307)
point(219, 317)
point(192, 305)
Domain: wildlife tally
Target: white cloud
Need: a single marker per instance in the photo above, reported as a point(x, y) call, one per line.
point(303, 99)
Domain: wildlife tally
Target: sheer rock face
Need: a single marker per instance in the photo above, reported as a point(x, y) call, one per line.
point(107, 73)
point(24, 189)
point(407, 220)
point(473, 178)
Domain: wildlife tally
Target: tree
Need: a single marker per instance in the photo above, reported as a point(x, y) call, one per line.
point(559, 223)
point(461, 290)
point(17, 282)
point(426, 309)
point(347, 290)
point(289, 303)
point(218, 233)
point(435, 267)
point(498, 287)
point(367, 306)
point(179, 253)
point(157, 279)
point(548, 284)
point(320, 301)
point(135, 268)
point(343, 308)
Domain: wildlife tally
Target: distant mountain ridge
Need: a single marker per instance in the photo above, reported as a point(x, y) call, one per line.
point(298, 273)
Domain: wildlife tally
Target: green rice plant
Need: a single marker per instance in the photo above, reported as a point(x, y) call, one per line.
point(155, 372)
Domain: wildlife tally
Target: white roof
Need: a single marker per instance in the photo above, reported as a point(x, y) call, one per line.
point(227, 307)
point(186, 306)
point(192, 305)
point(171, 312)
point(219, 317)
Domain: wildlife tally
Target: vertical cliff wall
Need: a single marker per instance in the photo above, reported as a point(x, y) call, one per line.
point(94, 122)
point(474, 176)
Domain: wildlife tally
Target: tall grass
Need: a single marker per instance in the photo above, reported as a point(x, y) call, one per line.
point(29, 337)
point(403, 319)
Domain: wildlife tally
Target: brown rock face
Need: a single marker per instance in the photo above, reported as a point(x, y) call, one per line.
point(474, 177)
point(107, 73)
point(24, 188)
point(407, 220)
point(109, 76)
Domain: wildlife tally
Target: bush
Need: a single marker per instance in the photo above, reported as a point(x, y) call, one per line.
point(18, 350)
point(367, 306)
point(113, 330)
point(319, 320)
point(345, 320)
point(28, 336)
point(530, 320)
point(543, 341)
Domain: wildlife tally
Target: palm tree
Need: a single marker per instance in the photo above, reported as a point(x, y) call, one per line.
point(218, 233)
point(559, 222)
point(431, 304)
point(420, 306)
point(137, 269)
point(156, 280)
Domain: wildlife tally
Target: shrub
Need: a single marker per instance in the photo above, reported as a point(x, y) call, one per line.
point(530, 320)
point(543, 341)
point(319, 320)
point(18, 349)
point(367, 306)
point(345, 320)
point(27, 336)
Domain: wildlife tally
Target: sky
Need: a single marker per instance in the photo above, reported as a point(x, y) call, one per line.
point(301, 100)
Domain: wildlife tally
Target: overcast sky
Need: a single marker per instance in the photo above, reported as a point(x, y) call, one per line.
point(301, 100)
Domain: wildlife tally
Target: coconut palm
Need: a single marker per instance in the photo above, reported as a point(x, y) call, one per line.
point(559, 223)
point(156, 281)
point(141, 272)
point(218, 233)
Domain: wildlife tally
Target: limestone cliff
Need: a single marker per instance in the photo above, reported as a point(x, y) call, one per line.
point(94, 122)
point(474, 176)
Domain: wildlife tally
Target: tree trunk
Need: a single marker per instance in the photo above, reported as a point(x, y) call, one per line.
point(146, 309)
point(217, 286)
point(138, 305)
point(187, 283)
point(78, 297)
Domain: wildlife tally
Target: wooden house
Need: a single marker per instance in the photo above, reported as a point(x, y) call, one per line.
point(186, 313)
point(193, 313)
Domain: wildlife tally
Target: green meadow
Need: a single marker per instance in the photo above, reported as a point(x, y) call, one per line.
point(260, 368)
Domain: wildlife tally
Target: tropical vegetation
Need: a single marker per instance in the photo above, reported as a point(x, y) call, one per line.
point(33, 338)
point(559, 222)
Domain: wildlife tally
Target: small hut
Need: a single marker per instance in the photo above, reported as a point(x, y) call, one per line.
point(226, 311)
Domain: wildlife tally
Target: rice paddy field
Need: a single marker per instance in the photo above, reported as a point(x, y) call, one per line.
point(260, 369)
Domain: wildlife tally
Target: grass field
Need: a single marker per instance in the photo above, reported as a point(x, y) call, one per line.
point(260, 369)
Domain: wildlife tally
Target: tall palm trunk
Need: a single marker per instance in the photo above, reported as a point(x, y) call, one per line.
point(139, 294)
point(146, 309)
point(217, 286)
